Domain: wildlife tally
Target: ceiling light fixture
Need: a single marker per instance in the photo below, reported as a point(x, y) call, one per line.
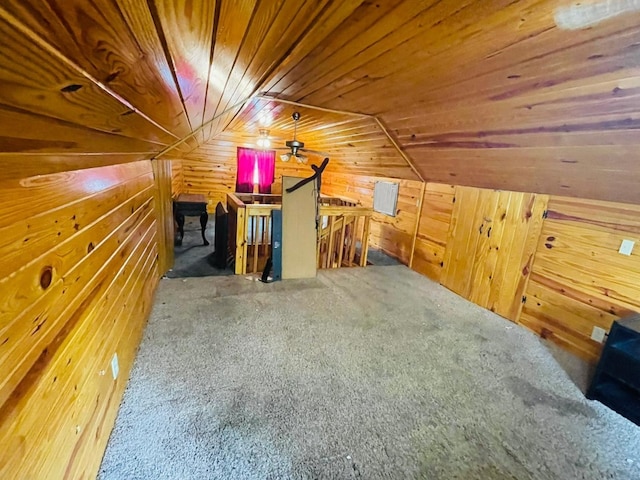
point(263, 140)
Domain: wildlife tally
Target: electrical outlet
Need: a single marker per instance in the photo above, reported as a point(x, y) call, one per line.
point(626, 247)
point(115, 368)
point(598, 334)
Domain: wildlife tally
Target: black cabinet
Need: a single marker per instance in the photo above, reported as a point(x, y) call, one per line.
point(617, 379)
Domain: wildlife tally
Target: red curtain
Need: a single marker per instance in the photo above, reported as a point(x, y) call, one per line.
point(244, 174)
point(248, 161)
point(266, 170)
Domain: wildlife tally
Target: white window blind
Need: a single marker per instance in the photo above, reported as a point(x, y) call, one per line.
point(385, 197)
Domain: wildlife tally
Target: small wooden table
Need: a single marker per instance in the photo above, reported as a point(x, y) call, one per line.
point(191, 205)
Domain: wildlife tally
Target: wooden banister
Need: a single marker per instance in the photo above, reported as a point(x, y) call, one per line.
point(343, 224)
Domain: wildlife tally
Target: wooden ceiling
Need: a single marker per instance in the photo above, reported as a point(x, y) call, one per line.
point(355, 143)
point(490, 94)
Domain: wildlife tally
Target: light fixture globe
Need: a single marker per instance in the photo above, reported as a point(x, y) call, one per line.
point(263, 140)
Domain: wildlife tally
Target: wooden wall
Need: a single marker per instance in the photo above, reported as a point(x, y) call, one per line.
point(559, 276)
point(393, 235)
point(78, 274)
point(211, 168)
point(356, 144)
point(490, 247)
point(579, 280)
point(163, 206)
point(433, 229)
point(85, 103)
point(211, 171)
point(177, 177)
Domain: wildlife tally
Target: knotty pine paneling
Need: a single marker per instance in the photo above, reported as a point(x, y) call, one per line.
point(163, 206)
point(35, 80)
point(211, 169)
point(115, 42)
point(491, 245)
point(27, 133)
point(393, 235)
point(257, 39)
point(578, 279)
point(177, 177)
point(354, 143)
point(80, 271)
point(433, 229)
point(19, 166)
point(501, 98)
point(188, 30)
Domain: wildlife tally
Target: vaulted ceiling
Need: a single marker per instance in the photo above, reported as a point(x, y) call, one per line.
point(481, 93)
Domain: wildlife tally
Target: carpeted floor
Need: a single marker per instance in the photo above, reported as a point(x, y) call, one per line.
point(379, 258)
point(373, 373)
point(192, 258)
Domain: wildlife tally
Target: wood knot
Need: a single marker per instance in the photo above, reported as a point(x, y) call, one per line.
point(90, 247)
point(74, 87)
point(111, 77)
point(45, 277)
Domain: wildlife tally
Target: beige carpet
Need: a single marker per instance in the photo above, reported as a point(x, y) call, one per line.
point(373, 373)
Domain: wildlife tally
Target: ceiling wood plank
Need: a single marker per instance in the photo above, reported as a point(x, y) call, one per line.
point(273, 29)
point(36, 80)
point(236, 18)
point(325, 25)
point(362, 20)
point(114, 43)
point(17, 167)
point(24, 132)
point(187, 28)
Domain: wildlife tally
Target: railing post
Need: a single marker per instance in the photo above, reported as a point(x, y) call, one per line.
point(353, 232)
point(332, 231)
point(365, 242)
point(240, 241)
point(342, 233)
point(256, 222)
point(245, 241)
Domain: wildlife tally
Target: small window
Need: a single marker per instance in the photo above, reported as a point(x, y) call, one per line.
point(256, 173)
point(255, 167)
point(385, 197)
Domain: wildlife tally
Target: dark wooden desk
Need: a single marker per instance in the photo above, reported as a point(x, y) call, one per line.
point(190, 205)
